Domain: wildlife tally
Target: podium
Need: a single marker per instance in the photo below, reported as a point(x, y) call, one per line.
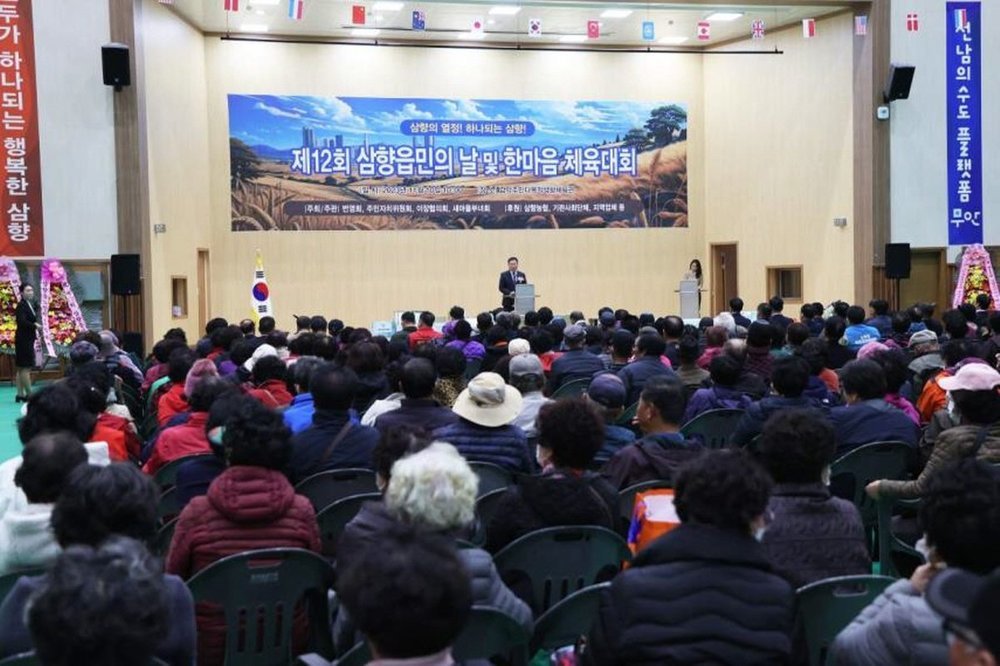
point(524, 298)
point(689, 299)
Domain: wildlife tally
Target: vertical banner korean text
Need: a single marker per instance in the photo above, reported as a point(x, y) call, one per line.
point(965, 124)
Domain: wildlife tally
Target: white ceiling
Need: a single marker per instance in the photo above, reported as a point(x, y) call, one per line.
point(452, 21)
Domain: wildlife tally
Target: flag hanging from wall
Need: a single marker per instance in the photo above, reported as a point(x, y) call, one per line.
point(260, 295)
point(232, 5)
point(593, 29)
point(478, 26)
point(648, 31)
point(860, 25)
point(912, 22)
point(757, 29)
point(808, 28)
point(419, 22)
point(704, 30)
point(535, 27)
point(295, 9)
point(358, 14)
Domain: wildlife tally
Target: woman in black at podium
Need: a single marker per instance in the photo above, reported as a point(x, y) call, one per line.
point(26, 316)
point(694, 273)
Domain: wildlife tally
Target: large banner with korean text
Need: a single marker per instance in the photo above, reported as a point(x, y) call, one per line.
point(367, 163)
point(965, 124)
point(21, 193)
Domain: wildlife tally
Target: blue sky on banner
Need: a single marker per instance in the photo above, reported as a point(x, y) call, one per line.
point(277, 121)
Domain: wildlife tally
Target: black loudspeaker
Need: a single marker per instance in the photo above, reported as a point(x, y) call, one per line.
point(132, 342)
point(900, 80)
point(124, 274)
point(114, 63)
point(897, 261)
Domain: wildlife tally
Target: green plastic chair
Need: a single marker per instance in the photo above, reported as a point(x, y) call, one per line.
point(626, 498)
point(852, 472)
point(625, 420)
point(325, 488)
point(573, 389)
point(895, 558)
point(486, 508)
point(334, 518)
point(825, 607)
point(166, 476)
point(713, 428)
point(29, 659)
point(490, 633)
point(168, 508)
point(561, 560)
point(564, 623)
point(8, 581)
point(160, 545)
point(260, 589)
point(491, 477)
point(487, 633)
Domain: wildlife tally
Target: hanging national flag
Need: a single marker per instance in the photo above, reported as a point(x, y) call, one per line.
point(704, 30)
point(419, 20)
point(535, 27)
point(260, 295)
point(648, 31)
point(593, 29)
point(961, 19)
point(860, 25)
point(358, 14)
point(232, 5)
point(912, 22)
point(295, 9)
point(478, 26)
point(808, 28)
point(757, 29)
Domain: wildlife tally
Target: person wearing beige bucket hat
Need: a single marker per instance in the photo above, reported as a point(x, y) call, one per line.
point(487, 408)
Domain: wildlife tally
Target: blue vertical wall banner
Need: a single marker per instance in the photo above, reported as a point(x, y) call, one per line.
point(965, 123)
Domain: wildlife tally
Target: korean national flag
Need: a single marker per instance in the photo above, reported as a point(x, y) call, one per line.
point(535, 27)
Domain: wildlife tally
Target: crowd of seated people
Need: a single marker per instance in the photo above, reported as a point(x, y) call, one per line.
point(572, 413)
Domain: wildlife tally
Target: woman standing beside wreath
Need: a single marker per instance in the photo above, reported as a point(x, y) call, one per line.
point(26, 316)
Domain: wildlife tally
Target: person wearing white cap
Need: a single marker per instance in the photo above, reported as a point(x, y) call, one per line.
point(975, 391)
point(484, 433)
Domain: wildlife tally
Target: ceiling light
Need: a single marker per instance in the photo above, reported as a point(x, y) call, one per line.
point(365, 32)
point(573, 39)
point(472, 35)
point(504, 10)
point(387, 6)
point(254, 27)
point(724, 16)
point(270, 3)
point(673, 41)
point(616, 13)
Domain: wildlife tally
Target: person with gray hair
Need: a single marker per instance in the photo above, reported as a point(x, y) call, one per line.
point(527, 376)
point(118, 362)
point(434, 490)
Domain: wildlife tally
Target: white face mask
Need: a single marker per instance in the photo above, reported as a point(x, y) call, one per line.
point(758, 533)
point(825, 476)
point(540, 457)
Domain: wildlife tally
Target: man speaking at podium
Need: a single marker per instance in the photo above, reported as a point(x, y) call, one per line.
point(509, 280)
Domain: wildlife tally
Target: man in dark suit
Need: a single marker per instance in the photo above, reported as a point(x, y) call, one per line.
point(509, 279)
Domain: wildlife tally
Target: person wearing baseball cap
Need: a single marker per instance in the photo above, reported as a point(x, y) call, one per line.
point(487, 408)
point(970, 606)
point(607, 393)
point(960, 515)
point(575, 363)
point(975, 390)
point(527, 376)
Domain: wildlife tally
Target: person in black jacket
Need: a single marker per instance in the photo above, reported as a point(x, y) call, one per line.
point(509, 280)
point(703, 593)
point(570, 432)
point(27, 320)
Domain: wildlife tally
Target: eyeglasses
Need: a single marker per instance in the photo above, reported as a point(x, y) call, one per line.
point(953, 631)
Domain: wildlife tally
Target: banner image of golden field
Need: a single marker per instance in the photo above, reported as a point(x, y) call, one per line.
point(372, 163)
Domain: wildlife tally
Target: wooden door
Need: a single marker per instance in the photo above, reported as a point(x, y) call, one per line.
point(724, 272)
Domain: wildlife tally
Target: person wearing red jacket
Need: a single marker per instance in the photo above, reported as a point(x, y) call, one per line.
point(188, 438)
point(250, 505)
point(269, 383)
point(425, 331)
